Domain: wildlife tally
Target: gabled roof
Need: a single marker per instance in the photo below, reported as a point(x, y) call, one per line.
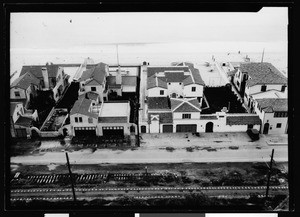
point(262, 73)
point(36, 70)
point(24, 121)
point(81, 106)
point(154, 81)
point(270, 105)
point(243, 120)
point(89, 95)
point(25, 80)
point(164, 117)
point(185, 105)
point(158, 103)
point(96, 73)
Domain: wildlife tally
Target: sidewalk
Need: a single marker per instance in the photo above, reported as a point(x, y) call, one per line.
point(209, 147)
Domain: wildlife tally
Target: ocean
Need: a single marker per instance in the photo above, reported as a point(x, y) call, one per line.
point(155, 54)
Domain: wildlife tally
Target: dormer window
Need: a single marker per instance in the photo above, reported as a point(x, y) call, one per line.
point(193, 89)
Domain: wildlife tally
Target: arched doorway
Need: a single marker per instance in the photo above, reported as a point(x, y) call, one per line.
point(173, 95)
point(266, 128)
point(209, 127)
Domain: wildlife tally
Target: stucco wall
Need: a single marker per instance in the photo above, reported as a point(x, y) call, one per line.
point(194, 115)
point(21, 91)
point(154, 127)
point(273, 122)
point(175, 88)
point(155, 92)
point(187, 90)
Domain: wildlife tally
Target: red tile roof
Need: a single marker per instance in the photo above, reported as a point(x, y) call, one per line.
point(262, 73)
point(81, 106)
point(158, 103)
point(96, 73)
point(185, 105)
point(243, 120)
point(270, 105)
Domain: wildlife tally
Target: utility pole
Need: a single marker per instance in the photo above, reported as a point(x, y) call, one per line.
point(269, 175)
point(71, 177)
point(262, 57)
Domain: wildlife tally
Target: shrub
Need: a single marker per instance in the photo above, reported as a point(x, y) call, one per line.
point(170, 149)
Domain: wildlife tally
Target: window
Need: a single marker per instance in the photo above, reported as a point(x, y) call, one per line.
point(238, 83)
point(17, 93)
point(90, 120)
point(169, 83)
point(186, 116)
point(193, 89)
point(76, 120)
point(263, 88)
point(93, 88)
point(80, 119)
point(278, 125)
point(283, 88)
point(161, 92)
point(280, 114)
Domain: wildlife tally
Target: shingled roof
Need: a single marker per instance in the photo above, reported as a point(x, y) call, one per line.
point(262, 73)
point(185, 105)
point(243, 120)
point(25, 80)
point(81, 106)
point(112, 119)
point(89, 95)
point(36, 70)
point(270, 105)
point(158, 103)
point(96, 73)
point(164, 117)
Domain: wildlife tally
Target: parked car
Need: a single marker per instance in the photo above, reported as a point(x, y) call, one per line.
point(253, 134)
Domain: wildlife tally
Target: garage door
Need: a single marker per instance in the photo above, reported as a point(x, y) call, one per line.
point(186, 128)
point(85, 131)
point(168, 128)
point(113, 131)
point(21, 133)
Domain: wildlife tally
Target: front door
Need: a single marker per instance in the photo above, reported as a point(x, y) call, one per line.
point(266, 128)
point(209, 127)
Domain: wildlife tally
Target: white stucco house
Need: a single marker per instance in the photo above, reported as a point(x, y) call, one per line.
point(252, 78)
point(273, 113)
point(88, 117)
point(174, 81)
point(172, 115)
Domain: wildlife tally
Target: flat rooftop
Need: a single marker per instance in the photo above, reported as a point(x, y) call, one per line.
point(115, 110)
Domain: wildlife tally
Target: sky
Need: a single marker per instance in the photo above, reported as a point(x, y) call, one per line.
point(89, 30)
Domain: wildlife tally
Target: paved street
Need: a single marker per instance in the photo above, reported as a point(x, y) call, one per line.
point(209, 147)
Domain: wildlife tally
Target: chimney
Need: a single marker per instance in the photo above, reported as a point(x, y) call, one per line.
point(118, 76)
point(45, 77)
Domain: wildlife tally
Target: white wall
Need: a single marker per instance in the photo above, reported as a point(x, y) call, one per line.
point(257, 88)
point(21, 91)
point(154, 126)
point(155, 92)
point(187, 90)
point(273, 122)
point(175, 88)
point(194, 115)
point(19, 110)
point(238, 78)
point(99, 90)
